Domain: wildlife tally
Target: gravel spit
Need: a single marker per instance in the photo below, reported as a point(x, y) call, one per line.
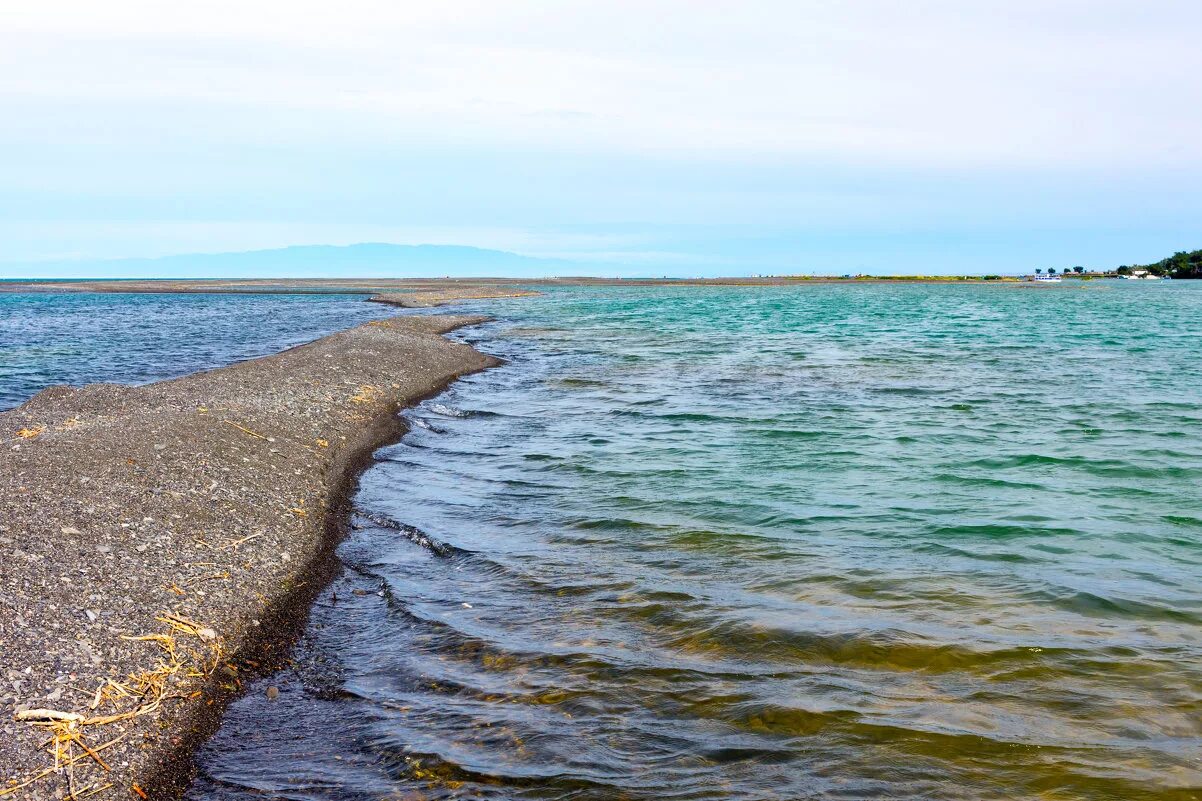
point(216, 498)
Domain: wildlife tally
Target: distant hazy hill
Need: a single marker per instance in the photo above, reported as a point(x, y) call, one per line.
point(369, 260)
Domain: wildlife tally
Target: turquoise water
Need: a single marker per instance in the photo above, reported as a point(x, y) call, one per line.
point(845, 542)
point(48, 339)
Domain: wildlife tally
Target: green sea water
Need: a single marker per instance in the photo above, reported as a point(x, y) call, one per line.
point(833, 541)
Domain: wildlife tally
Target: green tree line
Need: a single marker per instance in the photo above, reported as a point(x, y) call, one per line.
point(1180, 265)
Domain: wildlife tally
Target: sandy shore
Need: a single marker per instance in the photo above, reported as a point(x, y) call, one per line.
point(162, 544)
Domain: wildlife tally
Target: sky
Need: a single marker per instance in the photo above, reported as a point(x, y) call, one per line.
point(657, 137)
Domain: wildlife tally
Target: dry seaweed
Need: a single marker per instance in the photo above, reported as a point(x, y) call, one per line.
point(140, 694)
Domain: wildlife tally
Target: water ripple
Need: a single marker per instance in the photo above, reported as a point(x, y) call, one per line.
point(833, 542)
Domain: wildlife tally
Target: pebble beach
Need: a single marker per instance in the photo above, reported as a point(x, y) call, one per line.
point(163, 543)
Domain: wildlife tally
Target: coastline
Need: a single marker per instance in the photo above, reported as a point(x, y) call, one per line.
point(164, 542)
point(443, 297)
point(463, 287)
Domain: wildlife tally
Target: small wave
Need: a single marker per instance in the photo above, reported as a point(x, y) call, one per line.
point(788, 433)
point(413, 534)
point(908, 391)
point(1107, 468)
point(985, 481)
point(1001, 531)
point(580, 382)
point(881, 649)
point(447, 411)
point(984, 556)
point(423, 423)
point(1093, 605)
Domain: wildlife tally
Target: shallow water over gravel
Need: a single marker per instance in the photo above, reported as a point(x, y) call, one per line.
point(934, 542)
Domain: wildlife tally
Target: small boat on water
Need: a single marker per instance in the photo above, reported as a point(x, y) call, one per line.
point(1140, 275)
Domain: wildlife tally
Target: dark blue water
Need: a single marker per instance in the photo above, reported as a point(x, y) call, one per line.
point(48, 339)
point(845, 542)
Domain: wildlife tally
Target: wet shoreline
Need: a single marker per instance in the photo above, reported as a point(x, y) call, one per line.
point(201, 512)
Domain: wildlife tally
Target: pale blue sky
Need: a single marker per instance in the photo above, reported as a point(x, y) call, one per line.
point(653, 137)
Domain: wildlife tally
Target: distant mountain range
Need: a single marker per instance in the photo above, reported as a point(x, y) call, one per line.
point(367, 260)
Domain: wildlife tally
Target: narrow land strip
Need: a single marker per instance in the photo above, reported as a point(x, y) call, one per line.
point(441, 297)
point(495, 287)
point(162, 543)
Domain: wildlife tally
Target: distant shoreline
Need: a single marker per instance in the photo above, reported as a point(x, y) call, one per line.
point(377, 286)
